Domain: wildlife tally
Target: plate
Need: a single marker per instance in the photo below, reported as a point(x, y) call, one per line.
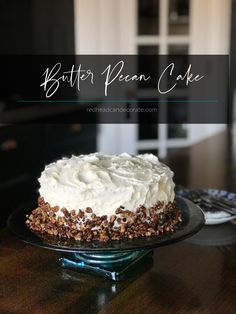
point(192, 216)
point(215, 217)
point(219, 217)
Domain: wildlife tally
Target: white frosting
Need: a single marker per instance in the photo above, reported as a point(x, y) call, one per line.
point(106, 182)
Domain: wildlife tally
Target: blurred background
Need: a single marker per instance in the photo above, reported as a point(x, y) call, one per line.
point(200, 155)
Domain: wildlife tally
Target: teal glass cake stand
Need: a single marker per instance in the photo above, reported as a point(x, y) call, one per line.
point(116, 260)
point(116, 266)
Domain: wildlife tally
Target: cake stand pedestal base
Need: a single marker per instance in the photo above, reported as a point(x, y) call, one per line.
point(116, 266)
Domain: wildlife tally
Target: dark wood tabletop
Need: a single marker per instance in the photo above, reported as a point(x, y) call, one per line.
point(186, 277)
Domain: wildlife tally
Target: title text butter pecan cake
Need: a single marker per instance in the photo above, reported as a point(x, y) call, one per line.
point(105, 197)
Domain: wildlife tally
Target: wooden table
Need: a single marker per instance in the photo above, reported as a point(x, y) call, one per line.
point(184, 278)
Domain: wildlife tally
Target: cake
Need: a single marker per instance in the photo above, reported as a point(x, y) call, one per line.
point(105, 197)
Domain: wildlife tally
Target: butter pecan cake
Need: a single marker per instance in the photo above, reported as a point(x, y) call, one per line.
point(105, 197)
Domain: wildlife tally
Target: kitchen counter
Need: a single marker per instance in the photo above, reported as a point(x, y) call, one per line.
point(185, 277)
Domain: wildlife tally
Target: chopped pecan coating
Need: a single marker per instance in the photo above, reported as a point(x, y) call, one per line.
point(87, 226)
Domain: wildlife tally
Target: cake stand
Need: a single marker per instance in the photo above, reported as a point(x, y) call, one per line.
point(116, 260)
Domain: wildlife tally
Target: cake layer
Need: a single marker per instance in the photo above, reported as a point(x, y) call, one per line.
point(106, 182)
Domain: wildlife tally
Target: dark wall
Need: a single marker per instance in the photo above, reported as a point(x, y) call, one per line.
point(233, 59)
point(36, 27)
point(16, 27)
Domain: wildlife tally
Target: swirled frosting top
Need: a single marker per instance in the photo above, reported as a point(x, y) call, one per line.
point(106, 182)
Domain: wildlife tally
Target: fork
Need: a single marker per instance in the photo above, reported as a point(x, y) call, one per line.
point(209, 202)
